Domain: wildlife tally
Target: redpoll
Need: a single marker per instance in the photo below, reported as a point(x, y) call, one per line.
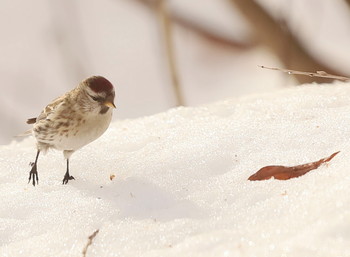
point(73, 120)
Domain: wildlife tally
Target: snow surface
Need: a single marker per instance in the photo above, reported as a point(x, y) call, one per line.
point(181, 185)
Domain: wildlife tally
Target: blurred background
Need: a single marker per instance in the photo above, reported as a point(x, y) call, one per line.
point(163, 53)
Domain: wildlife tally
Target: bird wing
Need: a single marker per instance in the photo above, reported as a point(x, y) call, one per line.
point(44, 115)
point(49, 110)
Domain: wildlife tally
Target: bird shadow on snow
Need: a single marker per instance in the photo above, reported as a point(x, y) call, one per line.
point(140, 199)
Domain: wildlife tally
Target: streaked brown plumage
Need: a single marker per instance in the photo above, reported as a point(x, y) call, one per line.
point(73, 120)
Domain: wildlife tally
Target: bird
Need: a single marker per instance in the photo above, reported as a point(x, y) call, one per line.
point(72, 121)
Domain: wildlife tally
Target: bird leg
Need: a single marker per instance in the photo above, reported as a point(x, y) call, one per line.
point(67, 177)
point(33, 174)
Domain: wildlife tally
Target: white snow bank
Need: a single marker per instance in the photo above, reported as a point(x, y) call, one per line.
point(181, 185)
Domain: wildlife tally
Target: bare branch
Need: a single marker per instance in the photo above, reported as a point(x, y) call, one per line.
point(168, 41)
point(90, 238)
point(199, 29)
point(318, 74)
point(280, 41)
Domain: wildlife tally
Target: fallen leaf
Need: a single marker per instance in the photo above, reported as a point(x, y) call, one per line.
point(111, 177)
point(284, 173)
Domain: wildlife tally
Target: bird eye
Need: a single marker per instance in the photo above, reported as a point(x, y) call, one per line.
point(97, 99)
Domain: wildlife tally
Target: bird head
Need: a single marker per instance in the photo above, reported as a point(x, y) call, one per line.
point(100, 93)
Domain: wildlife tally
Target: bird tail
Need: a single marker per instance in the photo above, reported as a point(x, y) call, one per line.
point(25, 134)
point(31, 121)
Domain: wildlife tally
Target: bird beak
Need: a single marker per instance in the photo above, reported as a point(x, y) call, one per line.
point(109, 104)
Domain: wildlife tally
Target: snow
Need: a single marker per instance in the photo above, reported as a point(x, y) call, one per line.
point(181, 188)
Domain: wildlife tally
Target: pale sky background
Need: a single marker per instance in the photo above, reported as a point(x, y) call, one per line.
point(47, 47)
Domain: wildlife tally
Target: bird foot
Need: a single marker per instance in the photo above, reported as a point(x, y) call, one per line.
point(33, 174)
point(66, 178)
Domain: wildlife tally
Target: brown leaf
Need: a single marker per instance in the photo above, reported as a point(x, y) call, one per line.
point(111, 177)
point(284, 173)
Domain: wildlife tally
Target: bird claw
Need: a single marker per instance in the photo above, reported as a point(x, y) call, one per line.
point(33, 174)
point(66, 178)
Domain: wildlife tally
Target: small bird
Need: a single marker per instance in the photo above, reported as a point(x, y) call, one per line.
point(73, 120)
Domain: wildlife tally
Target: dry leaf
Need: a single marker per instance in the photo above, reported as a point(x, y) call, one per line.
point(284, 173)
point(111, 177)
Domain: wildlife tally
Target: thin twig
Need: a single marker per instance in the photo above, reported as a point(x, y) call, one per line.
point(281, 41)
point(90, 238)
point(168, 41)
point(319, 74)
